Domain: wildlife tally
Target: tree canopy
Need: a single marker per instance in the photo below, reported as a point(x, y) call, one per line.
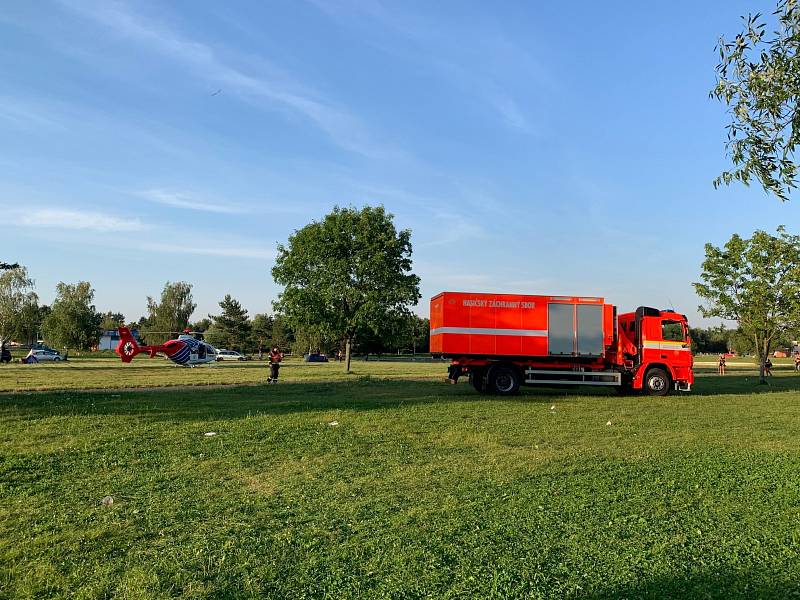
point(282, 334)
point(714, 340)
point(73, 321)
point(111, 320)
point(231, 328)
point(758, 78)
point(16, 297)
point(29, 322)
point(171, 314)
point(261, 328)
point(756, 282)
point(346, 274)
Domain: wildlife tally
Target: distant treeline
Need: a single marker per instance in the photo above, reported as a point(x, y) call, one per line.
point(73, 322)
point(719, 339)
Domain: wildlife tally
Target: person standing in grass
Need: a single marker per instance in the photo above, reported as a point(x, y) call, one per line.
point(721, 366)
point(768, 368)
point(797, 361)
point(275, 358)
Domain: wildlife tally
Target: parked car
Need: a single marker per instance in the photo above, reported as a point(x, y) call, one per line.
point(43, 355)
point(230, 355)
point(314, 357)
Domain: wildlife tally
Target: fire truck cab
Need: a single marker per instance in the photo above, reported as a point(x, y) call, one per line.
point(658, 344)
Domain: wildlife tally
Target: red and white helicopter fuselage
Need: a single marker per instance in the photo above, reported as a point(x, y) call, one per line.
point(185, 351)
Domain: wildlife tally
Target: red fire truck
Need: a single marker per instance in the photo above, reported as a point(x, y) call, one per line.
point(503, 341)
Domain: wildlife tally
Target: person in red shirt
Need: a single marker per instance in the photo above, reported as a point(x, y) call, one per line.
point(275, 358)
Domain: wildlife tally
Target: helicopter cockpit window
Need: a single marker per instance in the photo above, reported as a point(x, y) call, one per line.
point(201, 351)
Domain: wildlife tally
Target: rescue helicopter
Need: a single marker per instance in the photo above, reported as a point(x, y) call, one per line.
point(185, 351)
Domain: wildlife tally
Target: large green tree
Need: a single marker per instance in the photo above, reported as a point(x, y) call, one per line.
point(407, 335)
point(201, 326)
point(758, 78)
point(282, 333)
point(29, 323)
point(261, 328)
point(756, 282)
point(16, 297)
point(711, 340)
point(111, 320)
point(73, 321)
point(171, 313)
point(346, 274)
point(230, 328)
point(313, 338)
point(420, 333)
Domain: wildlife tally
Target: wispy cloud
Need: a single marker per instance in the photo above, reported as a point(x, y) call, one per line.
point(220, 250)
point(19, 114)
point(57, 218)
point(443, 280)
point(483, 62)
point(179, 200)
point(510, 111)
point(453, 228)
point(439, 227)
point(271, 89)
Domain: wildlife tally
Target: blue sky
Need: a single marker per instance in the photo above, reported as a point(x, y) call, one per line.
point(531, 147)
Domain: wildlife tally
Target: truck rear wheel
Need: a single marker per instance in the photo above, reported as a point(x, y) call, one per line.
point(477, 380)
point(656, 382)
point(503, 380)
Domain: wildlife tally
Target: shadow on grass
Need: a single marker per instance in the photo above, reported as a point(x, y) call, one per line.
point(708, 384)
point(727, 585)
point(189, 403)
point(241, 401)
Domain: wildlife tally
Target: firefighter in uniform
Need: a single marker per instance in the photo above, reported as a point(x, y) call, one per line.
point(275, 358)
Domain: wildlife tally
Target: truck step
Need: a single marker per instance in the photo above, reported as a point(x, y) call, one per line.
point(563, 377)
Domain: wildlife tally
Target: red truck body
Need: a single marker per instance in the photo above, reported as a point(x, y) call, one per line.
point(502, 341)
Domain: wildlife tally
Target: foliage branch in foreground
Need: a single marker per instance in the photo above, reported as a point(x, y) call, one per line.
point(758, 78)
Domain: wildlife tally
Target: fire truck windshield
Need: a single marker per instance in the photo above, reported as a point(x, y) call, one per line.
point(672, 331)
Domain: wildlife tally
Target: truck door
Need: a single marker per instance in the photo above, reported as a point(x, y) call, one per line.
point(665, 340)
point(674, 344)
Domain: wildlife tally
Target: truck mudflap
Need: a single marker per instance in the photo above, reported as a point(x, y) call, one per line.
point(683, 386)
point(453, 373)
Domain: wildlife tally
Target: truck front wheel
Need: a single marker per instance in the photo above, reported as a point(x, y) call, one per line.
point(504, 381)
point(656, 382)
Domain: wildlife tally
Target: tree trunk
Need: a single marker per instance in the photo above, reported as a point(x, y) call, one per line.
point(763, 351)
point(347, 355)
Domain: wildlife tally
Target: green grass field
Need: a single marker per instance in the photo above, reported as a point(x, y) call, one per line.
point(106, 371)
point(102, 373)
point(421, 490)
